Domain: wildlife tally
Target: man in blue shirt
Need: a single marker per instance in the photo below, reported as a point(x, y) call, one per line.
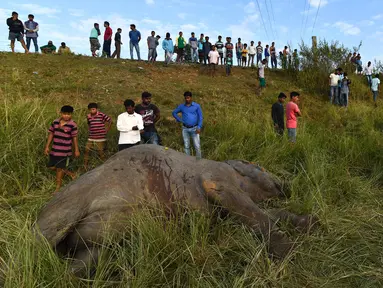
point(192, 123)
point(135, 38)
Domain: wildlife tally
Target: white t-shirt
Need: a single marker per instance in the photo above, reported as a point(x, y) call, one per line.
point(375, 84)
point(214, 56)
point(125, 124)
point(368, 70)
point(252, 50)
point(261, 70)
point(334, 79)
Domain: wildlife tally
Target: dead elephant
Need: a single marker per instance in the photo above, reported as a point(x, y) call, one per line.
point(151, 174)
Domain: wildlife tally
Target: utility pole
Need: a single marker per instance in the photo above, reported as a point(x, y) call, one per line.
point(314, 49)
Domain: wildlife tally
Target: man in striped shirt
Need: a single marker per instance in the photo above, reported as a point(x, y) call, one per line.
point(99, 125)
point(63, 135)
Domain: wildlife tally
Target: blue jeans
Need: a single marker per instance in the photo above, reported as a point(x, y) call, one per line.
point(274, 63)
point(334, 94)
point(259, 57)
point(34, 39)
point(344, 99)
point(191, 132)
point(375, 93)
point(137, 47)
point(194, 55)
point(369, 79)
point(149, 138)
point(292, 134)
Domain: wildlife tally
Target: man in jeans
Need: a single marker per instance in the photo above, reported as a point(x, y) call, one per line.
point(193, 42)
point(135, 38)
point(259, 52)
point(333, 82)
point(150, 115)
point(152, 45)
point(192, 123)
point(106, 50)
point(31, 28)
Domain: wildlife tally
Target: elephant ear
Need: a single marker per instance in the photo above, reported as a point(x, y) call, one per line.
point(255, 172)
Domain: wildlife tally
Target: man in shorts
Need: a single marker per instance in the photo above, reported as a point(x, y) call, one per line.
point(16, 31)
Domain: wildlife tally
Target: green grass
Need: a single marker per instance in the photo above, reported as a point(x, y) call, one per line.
point(334, 171)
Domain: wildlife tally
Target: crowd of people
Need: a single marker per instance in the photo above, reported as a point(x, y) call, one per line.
point(138, 126)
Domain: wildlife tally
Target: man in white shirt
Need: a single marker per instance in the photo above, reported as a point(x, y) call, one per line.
point(130, 125)
point(261, 75)
point(213, 60)
point(368, 72)
point(252, 52)
point(333, 81)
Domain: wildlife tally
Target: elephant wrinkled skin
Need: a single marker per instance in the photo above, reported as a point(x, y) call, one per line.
point(150, 174)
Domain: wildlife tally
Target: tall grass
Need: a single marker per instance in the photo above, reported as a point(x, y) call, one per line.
point(334, 171)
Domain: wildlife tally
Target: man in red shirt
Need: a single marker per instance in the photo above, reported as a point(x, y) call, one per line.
point(292, 111)
point(107, 39)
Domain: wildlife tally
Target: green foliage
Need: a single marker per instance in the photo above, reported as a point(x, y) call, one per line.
point(334, 171)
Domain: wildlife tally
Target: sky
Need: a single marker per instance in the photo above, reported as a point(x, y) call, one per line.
point(286, 22)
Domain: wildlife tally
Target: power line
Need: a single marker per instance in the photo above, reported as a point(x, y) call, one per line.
point(316, 16)
point(307, 18)
point(263, 22)
point(268, 16)
point(272, 13)
point(305, 14)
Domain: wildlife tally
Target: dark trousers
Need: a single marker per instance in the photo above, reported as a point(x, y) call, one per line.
point(106, 47)
point(34, 39)
point(274, 63)
point(117, 52)
point(126, 146)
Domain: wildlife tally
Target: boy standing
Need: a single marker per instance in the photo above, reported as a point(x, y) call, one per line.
point(31, 29)
point(375, 85)
point(244, 55)
point(16, 30)
point(192, 123)
point(193, 42)
point(344, 90)
point(292, 111)
point(180, 44)
point(261, 74)
point(238, 50)
point(150, 116)
point(229, 61)
point(333, 82)
point(259, 52)
point(152, 46)
point(206, 50)
point(99, 125)
point(219, 45)
point(200, 48)
point(213, 60)
point(267, 55)
point(63, 135)
point(130, 125)
point(278, 114)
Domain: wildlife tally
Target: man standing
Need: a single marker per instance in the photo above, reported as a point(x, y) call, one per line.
point(200, 48)
point(261, 75)
point(31, 28)
point(130, 125)
point(117, 44)
point(206, 50)
point(273, 56)
point(375, 87)
point(259, 52)
point(193, 42)
point(135, 38)
point(252, 52)
point(16, 30)
point(93, 39)
point(229, 50)
point(219, 46)
point(168, 46)
point(267, 55)
point(180, 44)
point(333, 82)
point(278, 114)
point(192, 123)
point(106, 50)
point(292, 111)
point(152, 46)
point(150, 116)
point(238, 50)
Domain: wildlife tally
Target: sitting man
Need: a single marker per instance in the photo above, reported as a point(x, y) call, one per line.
point(48, 49)
point(64, 50)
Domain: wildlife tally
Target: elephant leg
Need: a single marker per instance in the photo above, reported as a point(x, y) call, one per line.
point(241, 205)
point(303, 223)
point(84, 262)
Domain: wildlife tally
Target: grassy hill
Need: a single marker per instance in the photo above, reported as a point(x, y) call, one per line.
point(334, 171)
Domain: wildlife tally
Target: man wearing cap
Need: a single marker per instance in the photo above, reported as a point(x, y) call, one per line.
point(31, 28)
point(278, 114)
point(192, 123)
point(48, 49)
point(16, 30)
